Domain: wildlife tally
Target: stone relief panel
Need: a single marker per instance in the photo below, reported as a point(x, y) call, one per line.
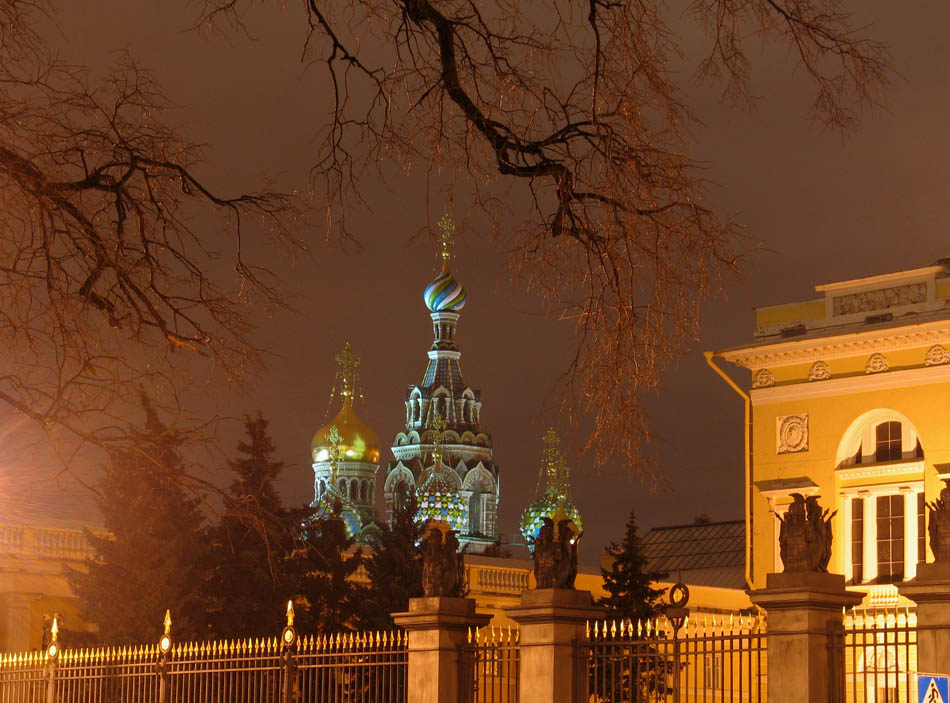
point(819, 371)
point(881, 299)
point(876, 363)
point(791, 433)
point(763, 378)
point(937, 355)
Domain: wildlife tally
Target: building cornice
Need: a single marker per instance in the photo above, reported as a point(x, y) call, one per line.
point(803, 351)
point(901, 378)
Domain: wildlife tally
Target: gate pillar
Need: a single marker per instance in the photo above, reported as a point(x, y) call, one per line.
point(931, 591)
point(804, 610)
point(551, 621)
point(437, 628)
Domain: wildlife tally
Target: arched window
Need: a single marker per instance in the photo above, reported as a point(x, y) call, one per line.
point(401, 496)
point(363, 486)
point(323, 486)
point(475, 513)
point(343, 486)
point(354, 489)
point(887, 445)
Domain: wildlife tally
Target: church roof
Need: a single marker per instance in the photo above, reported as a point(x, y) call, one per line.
point(710, 554)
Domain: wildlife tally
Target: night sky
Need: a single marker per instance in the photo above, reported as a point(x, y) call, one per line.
point(819, 206)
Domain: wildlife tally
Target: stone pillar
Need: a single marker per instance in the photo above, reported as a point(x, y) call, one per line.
point(910, 532)
point(551, 620)
point(802, 609)
point(437, 628)
point(870, 538)
point(931, 591)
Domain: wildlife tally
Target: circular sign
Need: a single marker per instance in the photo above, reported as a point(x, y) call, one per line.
point(679, 595)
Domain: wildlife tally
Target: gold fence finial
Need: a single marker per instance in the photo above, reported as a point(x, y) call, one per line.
point(290, 613)
point(54, 628)
point(167, 622)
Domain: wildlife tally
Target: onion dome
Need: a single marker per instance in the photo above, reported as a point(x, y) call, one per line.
point(357, 440)
point(438, 500)
point(445, 293)
point(554, 488)
point(437, 497)
point(333, 504)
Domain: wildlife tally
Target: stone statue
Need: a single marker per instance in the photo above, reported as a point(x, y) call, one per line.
point(939, 527)
point(555, 555)
point(443, 568)
point(805, 537)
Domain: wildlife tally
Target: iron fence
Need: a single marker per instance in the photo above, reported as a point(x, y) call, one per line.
point(873, 657)
point(345, 668)
point(490, 666)
point(703, 659)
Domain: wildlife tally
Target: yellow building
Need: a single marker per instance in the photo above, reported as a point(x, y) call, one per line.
point(849, 400)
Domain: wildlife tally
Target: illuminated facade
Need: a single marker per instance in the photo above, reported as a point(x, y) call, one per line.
point(849, 400)
point(443, 412)
point(345, 455)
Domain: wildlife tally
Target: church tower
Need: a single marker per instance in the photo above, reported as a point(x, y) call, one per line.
point(345, 455)
point(443, 456)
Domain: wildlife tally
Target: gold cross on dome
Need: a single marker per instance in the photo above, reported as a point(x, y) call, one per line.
point(347, 376)
point(448, 239)
point(552, 452)
point(334, 438)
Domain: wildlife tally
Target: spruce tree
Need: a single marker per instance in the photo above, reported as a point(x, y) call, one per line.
point(627, 581)
point(154, 557)
point(249, 578)
point(322, 571)
point(394, 569)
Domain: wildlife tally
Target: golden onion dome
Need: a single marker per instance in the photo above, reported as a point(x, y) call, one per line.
point(358, 441)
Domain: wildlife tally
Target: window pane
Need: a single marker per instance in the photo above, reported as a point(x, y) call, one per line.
point(888, 441)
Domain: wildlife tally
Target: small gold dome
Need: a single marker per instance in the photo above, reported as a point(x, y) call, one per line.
point(358, 441)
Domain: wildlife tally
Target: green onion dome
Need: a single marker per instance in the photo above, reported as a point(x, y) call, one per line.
point(438, 500)
point(533, 516)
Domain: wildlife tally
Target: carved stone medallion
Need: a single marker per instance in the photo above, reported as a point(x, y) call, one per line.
point(877, 363)
point(791, 433)
point(763, 378)
point(819, 371)
point(937, 355)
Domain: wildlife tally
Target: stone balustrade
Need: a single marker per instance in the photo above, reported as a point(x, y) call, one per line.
point(62, 543)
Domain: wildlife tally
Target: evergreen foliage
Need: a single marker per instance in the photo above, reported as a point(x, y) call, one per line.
point(627, 581)
point(327, 599)
point(250, 575)
point(154, 559)
point(394, 569)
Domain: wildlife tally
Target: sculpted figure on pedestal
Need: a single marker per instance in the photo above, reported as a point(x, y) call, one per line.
point(805, 537)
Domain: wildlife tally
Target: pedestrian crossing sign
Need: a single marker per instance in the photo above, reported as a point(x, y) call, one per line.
point(933, 688)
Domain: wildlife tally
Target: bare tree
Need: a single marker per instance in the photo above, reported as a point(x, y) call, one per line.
point(119, 268)
point(577, 102)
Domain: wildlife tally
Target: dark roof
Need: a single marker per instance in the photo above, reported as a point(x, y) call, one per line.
point(697, 547)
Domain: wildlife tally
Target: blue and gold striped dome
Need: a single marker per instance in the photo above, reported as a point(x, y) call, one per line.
point(444, 294)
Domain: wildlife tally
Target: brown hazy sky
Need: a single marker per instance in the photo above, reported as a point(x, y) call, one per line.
point(824, 207)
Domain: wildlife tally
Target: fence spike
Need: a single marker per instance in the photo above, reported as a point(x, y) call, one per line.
point(649, 627)
point(639, 627)
point(613, 628)
point(587, 629)
point(731, 622)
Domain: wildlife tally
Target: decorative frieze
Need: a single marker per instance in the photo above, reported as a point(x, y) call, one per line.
point(791, 433)
point(819, 371)
point(937, 355)
point(763, 378)
point(877, 363)
point(880, 299)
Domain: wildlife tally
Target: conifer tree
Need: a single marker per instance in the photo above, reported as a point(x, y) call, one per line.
point(627, 580)
point(394, 569)
point(249, 577)
point(154, 557)
point(322, 569)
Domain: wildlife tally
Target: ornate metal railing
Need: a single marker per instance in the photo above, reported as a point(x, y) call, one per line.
point(708, 658)
point(873, 657)
point(490, 666)
point(346, 668)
